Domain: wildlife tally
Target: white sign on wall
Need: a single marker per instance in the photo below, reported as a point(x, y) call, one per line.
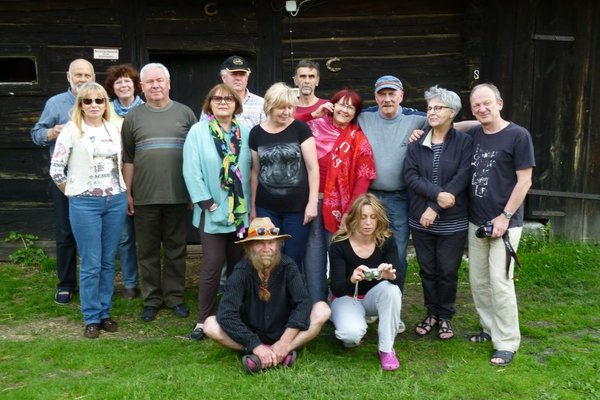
point(106, 54)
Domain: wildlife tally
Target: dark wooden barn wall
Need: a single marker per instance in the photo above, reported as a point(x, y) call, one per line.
point(544, 56)
point(421, 43)
point(550, 86)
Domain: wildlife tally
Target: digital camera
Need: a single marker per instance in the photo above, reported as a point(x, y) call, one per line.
point(372, 273)
point(484, 230)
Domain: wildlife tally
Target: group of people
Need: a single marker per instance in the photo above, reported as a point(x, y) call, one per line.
point(283, 187)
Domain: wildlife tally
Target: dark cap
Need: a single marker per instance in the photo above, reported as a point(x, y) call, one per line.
point(236, 63)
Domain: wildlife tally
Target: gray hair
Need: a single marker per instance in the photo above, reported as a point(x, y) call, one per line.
point(152, 66)
point(490, 86)
point(449, 98)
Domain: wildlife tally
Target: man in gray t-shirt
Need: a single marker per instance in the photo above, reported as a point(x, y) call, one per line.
point(388, 131)
point(153, 136)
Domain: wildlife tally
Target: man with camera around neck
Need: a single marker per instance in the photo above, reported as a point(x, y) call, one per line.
point(501, 170)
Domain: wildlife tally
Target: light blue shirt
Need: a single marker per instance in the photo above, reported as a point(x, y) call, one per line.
point(56, 112)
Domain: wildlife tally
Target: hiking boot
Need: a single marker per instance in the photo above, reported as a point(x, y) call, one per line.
point(91, 331)
point(108, 325)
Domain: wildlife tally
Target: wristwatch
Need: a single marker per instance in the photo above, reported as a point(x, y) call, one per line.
point(507, 214)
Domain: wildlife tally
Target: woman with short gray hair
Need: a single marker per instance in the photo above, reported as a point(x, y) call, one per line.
point(437, 173)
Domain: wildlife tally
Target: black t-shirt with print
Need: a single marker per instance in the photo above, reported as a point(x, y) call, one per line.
point(282, 178)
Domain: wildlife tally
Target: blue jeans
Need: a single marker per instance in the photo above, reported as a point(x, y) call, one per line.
point(315, 258)
point(97, 223)
point(127, 255)
point(291, 224)
point(396, 206)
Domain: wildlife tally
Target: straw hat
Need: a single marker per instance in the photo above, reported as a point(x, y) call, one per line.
point(262, 229)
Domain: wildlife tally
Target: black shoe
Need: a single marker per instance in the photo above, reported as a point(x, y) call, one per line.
point(181, 310)
point(149, 313)
point(63, 297)
point(91, 331)
point(108, 325)
point(129, 293)
point(197, 334)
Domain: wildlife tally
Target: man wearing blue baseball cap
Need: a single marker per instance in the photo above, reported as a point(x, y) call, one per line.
point(388, 131)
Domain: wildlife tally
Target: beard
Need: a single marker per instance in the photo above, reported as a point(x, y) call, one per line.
point(263, 261)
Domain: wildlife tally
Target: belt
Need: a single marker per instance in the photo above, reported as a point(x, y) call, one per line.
point(387, 191)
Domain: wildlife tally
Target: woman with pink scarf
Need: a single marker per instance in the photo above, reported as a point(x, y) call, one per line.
point(346, 169)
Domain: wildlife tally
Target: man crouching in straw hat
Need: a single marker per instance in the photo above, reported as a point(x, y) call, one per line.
point(266, 311)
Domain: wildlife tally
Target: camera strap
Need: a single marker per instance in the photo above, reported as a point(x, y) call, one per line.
point(511, 253)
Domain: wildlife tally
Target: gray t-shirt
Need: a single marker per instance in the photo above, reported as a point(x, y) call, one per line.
point(153, 142)
point(389, 140)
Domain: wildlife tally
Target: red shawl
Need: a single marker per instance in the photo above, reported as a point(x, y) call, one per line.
point(351, 168)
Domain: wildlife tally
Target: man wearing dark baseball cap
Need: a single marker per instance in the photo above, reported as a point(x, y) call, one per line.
point(235, 72)
point(388, 130)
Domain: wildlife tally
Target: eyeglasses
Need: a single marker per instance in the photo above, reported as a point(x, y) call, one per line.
point(87, 102)
point(219, 99)
point(263, 231)
point(436, 109)
point(348, 107)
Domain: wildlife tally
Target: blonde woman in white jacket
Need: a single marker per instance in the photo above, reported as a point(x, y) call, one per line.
point(86, 166)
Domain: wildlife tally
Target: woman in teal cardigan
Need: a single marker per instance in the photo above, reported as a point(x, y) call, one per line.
point(216, 168)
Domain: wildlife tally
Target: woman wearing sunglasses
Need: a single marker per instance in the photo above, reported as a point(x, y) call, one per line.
point(216, 168)
point(285, 171)
point(86, 166)
point(123, 86)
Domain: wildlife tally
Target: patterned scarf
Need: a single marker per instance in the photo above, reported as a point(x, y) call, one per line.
point(230, 175)
point(122, 110)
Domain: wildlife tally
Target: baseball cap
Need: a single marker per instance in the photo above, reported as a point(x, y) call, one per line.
point(388, 82)
point(236, 63)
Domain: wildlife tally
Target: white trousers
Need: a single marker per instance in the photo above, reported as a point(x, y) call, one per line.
point(349, 315)
point(494, 295)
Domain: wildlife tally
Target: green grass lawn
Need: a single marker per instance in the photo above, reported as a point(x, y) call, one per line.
point(43, 354)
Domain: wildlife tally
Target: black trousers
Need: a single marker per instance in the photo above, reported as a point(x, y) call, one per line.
point(66, 248)
point(439, 258)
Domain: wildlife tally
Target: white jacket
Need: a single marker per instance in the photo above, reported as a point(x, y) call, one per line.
point(76, 151)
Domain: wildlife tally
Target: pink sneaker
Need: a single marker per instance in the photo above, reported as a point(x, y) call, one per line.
point(389, 362)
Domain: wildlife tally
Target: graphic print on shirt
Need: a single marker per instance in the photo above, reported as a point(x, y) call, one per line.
point(281, 167)
point(483, 162)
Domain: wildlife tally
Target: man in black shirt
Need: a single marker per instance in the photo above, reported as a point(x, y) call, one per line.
point(266, 311)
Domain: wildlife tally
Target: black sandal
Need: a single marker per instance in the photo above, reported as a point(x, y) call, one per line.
point(481, 337)
point(444, 328)
point(505, 355)
point(427, 325)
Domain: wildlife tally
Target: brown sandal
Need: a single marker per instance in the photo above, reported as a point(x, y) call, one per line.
point(426, 325)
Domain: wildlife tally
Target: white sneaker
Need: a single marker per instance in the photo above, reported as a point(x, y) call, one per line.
point(372, 318)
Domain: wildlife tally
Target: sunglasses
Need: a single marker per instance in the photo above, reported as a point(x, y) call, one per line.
point(263, 231)
point(219, 99)
point(87, 102)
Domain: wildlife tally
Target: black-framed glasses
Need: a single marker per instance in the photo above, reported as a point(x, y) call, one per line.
point(98, 100)
point(219, 99)
point(436, 109)
point(263, 231)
